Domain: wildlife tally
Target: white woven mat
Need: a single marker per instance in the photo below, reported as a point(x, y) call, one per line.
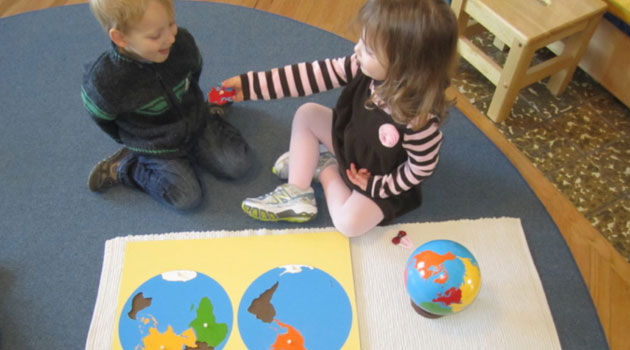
point(511, 311)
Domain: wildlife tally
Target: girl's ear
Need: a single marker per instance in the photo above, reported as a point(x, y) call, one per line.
point(118, 38)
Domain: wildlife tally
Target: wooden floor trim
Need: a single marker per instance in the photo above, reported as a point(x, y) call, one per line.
point(605, 271)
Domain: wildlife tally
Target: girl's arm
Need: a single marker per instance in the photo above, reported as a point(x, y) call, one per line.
point(423, 149)
point(295, 80)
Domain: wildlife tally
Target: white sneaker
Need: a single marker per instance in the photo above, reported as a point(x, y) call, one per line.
point(286, 203)
point(281, 166)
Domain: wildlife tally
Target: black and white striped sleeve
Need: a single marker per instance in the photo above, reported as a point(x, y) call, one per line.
point(300, 79)
point(423, 149)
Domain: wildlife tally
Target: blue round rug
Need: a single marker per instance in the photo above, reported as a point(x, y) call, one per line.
point(53, 229)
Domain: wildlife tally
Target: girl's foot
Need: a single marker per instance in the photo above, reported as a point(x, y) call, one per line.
point(281, 167)
point(286, 203)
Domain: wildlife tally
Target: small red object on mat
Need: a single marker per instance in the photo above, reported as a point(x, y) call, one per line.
point(401, 234)
point(221, 96)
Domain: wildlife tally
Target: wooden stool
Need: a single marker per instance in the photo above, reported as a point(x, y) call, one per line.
point(526, 26)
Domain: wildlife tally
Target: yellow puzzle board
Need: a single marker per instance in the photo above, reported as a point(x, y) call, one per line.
point(235, 262)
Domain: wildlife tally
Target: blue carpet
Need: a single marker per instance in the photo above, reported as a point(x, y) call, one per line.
point(53, 229)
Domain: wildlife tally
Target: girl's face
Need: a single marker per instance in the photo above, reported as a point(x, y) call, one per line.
point(151, 38)
point(369, 63)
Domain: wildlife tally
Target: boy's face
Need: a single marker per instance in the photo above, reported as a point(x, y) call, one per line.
point(151, 38)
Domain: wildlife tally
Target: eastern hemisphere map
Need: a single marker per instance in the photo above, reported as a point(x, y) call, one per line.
point(295, 308)
point(176, 310)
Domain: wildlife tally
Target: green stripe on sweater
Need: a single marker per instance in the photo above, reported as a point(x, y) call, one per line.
point(155, 107)
point(93, 108)
point(152, 151)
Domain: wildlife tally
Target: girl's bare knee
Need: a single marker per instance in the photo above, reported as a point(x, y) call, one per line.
point(305, 111)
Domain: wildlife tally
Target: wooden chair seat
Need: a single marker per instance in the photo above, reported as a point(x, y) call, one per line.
point(526, 26)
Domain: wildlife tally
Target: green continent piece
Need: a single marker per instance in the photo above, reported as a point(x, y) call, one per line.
point(205, 325)
point(436, 309)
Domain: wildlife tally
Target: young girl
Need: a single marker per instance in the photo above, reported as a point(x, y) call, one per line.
point(384, 130)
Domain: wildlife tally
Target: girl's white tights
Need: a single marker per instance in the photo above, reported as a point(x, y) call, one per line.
point(352, 213)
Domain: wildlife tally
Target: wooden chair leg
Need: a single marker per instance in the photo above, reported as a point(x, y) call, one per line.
point(510, 83)
point(574, 48)
point(458, 7)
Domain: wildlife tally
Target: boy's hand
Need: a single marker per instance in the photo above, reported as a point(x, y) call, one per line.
point(358, 177)
point(236, 84)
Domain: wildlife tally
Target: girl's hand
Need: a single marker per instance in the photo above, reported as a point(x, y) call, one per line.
point(358, 177)
point(236, 84)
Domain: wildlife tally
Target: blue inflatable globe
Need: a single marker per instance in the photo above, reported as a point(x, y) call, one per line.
point(175, 310)
point(295, 308)
point(442, 277)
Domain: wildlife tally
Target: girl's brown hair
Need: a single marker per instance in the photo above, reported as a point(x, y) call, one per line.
point(416, 40)
point(122, 14)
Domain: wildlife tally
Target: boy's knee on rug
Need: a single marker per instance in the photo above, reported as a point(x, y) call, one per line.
point(239, 163)
point(182, 197)
point(233, 164)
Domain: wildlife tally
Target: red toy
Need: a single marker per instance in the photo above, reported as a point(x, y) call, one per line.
point(399, 236)
point(402, 240)
point(220, 95)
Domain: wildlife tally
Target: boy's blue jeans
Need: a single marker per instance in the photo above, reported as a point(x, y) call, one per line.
point(219, 149)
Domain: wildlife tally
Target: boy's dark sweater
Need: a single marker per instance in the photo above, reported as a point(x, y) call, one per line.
point(152, 108)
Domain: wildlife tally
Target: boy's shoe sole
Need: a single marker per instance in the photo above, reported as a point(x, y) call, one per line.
point(100, 177)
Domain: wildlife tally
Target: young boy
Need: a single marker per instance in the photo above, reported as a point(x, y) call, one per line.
point(144, 93)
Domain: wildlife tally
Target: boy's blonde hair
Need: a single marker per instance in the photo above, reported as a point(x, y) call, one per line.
point(417, 42)
point(122, 14)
